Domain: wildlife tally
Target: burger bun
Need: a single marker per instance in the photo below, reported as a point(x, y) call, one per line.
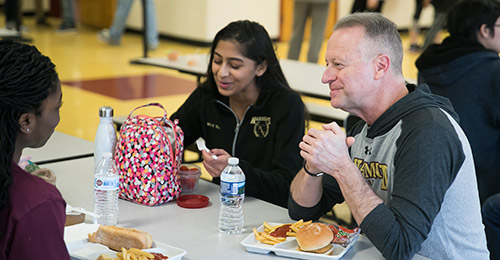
point(315, 238)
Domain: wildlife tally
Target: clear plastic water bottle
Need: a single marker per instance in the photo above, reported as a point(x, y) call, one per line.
point(232, 194)
point(106, 182)
point(105, 138)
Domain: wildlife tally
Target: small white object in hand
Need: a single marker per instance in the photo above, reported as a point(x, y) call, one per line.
point(200, 143)
point(24, 161)
point(69, 208)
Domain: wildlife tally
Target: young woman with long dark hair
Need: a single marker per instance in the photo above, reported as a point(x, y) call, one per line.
point(32, 211)
point(245, 108)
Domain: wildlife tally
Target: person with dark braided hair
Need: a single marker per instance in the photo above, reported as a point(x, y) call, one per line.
point(32, 211)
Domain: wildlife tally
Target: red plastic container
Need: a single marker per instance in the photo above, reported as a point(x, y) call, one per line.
point(189, 175)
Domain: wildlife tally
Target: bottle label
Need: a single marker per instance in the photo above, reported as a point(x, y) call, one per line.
point(232, 188)
point(101, 183)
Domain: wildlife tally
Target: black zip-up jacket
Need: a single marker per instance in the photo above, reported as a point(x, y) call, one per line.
point(266, 140)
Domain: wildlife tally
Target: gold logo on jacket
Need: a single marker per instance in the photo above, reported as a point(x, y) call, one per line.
point(372, 171)
point(260, 126)
point(213, 125)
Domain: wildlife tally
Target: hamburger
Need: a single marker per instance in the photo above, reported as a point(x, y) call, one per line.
point(117, 237)
point(315, 238)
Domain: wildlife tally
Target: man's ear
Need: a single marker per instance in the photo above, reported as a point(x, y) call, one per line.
point(26, 123)
point(261, 68)
point(382, 65)
point(484, 31)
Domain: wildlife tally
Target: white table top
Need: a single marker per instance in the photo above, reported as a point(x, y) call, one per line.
point(194, 230)
point(303, 77)
point(195, 64)
point(60, 147)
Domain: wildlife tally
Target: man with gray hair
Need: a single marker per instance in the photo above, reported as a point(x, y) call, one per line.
point(406, 172)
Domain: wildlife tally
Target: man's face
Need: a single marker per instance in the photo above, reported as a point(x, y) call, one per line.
point(349, 72)
point(493, 42)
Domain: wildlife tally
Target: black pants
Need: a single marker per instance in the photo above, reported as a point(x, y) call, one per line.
point(360, 6)
point(12, 12)
point(418, 9)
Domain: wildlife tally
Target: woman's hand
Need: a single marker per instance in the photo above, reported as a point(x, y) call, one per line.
point(46, 174)
point(215, 166)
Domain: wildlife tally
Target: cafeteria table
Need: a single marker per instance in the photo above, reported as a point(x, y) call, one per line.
point(194, 64)
point(304, 77)
point(194, 230)
point(61, 147)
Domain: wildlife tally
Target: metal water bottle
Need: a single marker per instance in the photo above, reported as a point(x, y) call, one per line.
point(105, 138)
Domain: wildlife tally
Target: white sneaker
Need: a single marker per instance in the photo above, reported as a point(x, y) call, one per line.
point(104, 36)
point(152, 47)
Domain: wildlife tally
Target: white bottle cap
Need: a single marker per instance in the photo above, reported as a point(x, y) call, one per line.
point(233, 160)
point(107, 155)
point(105, 111)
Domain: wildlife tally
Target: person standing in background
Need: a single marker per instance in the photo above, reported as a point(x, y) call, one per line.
point(40, 17)
point(414, 31)
point(12, 15)
point(113, 35)
point(440, 9)
point(317, 10)
point(465, 69)
point(367, 5)
point(68, 17)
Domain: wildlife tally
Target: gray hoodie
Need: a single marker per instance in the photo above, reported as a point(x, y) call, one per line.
point(418, 160)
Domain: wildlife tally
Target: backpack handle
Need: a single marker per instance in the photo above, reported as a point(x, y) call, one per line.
point(148, 105)
point(164, 119)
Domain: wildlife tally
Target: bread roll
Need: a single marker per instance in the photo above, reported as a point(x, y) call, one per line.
point(117, 237)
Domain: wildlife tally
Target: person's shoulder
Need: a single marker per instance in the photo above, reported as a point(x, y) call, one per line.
point(280, 102)
point(430, 123)
point(485, 64)
point(286, 95)
point(203, 91)
point(493, 59)
point(482, 56)
point(30, 191)
point(288, 99)
point(201, 94)
point(429, 115)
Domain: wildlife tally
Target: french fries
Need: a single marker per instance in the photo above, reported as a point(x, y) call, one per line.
point(131, 254)
point(295, 226)
point(266, 237)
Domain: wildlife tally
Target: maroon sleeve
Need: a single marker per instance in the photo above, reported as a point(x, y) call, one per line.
point(40, 233)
